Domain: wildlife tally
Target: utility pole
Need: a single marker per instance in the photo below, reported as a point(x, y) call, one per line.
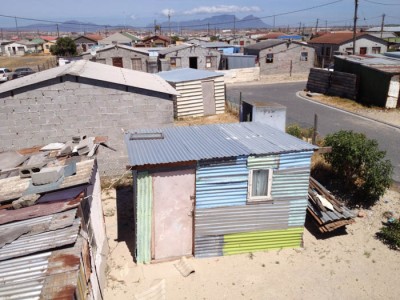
point(169, 22)
point(16, 26)
point(299, 27)
point(208, 29)
point(2, 37)
point(234, 27)
point(155, 27)
point(355, 25)
point(106, 29)
point(382, 24)
point(274, 23)
point(326, 25)
point(316, 26)
point(58, 31)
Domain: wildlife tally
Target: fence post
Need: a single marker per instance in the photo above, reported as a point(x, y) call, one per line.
point(291, 67)
point(315, 133)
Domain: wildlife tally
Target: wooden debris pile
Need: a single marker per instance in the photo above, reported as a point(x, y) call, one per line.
point(327, 212)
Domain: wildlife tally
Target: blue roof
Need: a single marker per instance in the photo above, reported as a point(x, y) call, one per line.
point(194, 143)
point(187, 74)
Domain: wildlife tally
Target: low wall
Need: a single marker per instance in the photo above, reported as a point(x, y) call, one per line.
point(332, 83)
point(241, 75)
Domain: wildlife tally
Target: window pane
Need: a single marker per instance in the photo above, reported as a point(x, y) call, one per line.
point(260, 183)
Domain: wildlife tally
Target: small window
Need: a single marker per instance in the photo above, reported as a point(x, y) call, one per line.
point(260, 184)
point(376, 50)
point(175, 62)
point(304, 56)
point(270, 58)
point(211, 62)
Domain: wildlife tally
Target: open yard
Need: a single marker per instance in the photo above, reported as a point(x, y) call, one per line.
point(36, 62)
point(351, 264)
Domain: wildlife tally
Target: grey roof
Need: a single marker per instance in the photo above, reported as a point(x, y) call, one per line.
point(116, 37)
point(266, 44)
point(167, 50)
point(216, 45)
point(187, 74)
point(193, 143)
point(108, 47)
point(95, 71)
point(385, 28)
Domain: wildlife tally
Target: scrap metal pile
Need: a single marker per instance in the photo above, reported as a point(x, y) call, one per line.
point(326, 211)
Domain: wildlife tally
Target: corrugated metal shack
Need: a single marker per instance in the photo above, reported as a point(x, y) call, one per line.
point(237, 61)
point(53, 243)
point(218, 189)
point(201, 93)
point(378, 78)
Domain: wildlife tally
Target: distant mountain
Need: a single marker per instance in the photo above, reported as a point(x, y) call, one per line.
point(67, 26)
point(219, 22)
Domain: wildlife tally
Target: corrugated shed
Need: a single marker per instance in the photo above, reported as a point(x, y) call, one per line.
point(194, 143)
point(144, 217)
point(209, 246)
point(221, 183)
point(262, 240)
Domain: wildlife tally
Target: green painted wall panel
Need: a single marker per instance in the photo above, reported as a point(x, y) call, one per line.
point(143, 217)
point(262, 240)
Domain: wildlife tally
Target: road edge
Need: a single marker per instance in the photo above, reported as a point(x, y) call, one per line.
point(346, 111)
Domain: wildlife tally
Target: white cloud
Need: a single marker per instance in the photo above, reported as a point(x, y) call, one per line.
point(222, 9)
point(133, 17)
point(167, 11)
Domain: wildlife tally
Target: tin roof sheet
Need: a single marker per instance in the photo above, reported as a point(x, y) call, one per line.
point(187, 74)
point(380, 62)
point(193, 143)
point(266, 44)
point(95, 71)
point(167, 50)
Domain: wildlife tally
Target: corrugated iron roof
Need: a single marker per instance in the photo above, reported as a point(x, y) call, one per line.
point(338, 38)
point(193, 143)
point(167, 50)
point(112, 46)
point(380, 62)
point(187, 74)
point(266, 44)
point(95, 71)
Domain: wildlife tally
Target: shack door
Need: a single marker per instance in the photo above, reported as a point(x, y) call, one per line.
point(173, 196)
point(208, 97)
point(117, 62)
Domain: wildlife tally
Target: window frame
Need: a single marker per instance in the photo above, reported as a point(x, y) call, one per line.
point(269, 58)
point(258, 199)
point(304, 57)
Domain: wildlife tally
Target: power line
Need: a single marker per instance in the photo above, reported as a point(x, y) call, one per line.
point(188, 26)
point(381, 3)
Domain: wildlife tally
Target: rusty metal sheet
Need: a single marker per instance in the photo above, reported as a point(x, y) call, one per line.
point(29, 244)
point(66, 194)
point(38, 210)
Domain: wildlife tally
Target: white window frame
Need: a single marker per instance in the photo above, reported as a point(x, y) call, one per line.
point(304, 56)
point(269, 58)
point(252, 199)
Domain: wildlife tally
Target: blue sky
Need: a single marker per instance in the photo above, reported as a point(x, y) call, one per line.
point(141, 13)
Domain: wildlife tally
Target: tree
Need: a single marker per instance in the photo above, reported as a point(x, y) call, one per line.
point(359, 162)
point(64, 46)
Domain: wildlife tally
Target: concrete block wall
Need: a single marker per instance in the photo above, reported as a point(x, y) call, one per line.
point(283, 56)
point(106, 57)
point(54, 111)
point(196, 51)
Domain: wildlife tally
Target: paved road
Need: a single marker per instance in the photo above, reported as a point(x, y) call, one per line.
point(302, 112)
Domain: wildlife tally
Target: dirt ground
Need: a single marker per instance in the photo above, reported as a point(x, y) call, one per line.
point(35, 62)
point(350, 264)
point(391, 116)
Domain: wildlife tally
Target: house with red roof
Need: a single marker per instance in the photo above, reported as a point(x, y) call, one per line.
point(328, 45)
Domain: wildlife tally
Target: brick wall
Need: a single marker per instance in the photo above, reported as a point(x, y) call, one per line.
point(54, 111)
point(284, 56)
point(195, 51)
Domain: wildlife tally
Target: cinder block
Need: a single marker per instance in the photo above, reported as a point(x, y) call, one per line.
point(47, 175)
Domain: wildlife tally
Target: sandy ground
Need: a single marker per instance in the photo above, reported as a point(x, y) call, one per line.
point(390, 116)
point(351, 264)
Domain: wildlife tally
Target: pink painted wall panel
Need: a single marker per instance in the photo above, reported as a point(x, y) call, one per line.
point(172, 213)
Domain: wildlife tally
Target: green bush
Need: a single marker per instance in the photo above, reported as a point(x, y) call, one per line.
point(64, 46)
point(294, 129)
point(359, 163)
point(390, 234)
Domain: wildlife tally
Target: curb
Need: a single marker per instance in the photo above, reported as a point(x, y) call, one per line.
point(346, 111)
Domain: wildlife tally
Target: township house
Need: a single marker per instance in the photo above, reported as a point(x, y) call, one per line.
point(282, 57)
point(53, 243)
point(123, 38)
point(217, 189)
point(85, 42)
point(330, 44)
point(154, 41)
point(122, 56)
point(83, 98)
point(189, 56)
